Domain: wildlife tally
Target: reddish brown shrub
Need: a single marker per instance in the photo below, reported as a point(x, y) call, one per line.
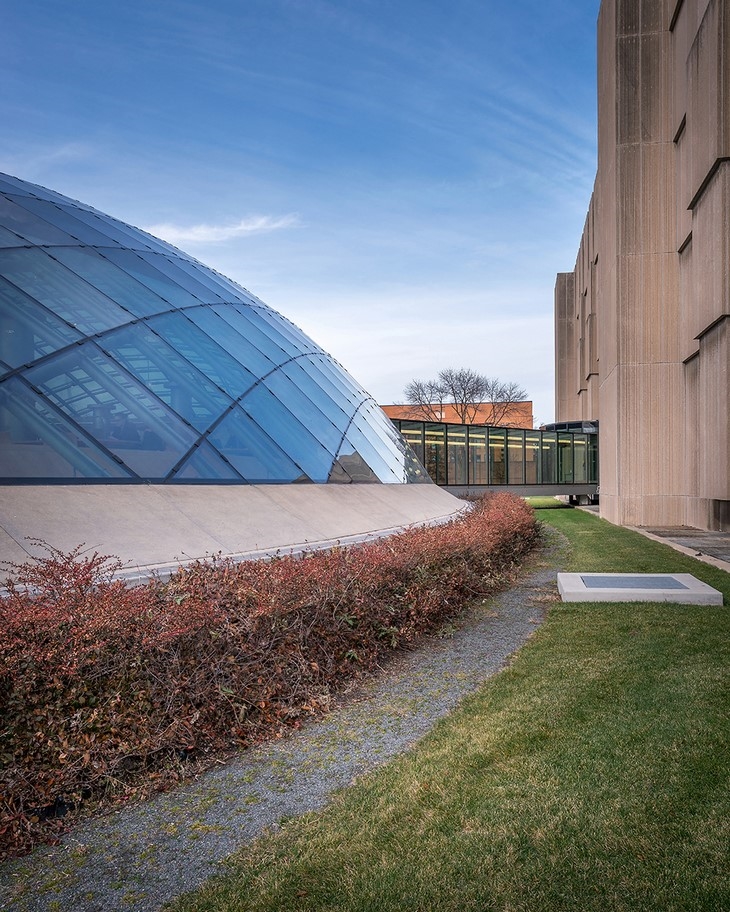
point(102, 684)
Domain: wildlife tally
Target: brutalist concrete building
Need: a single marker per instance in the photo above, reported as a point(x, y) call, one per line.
point(643, 321)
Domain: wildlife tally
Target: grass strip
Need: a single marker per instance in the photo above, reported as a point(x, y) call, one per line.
point(592, 774)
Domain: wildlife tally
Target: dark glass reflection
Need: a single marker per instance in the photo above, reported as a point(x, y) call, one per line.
point(139, 265)
point(116, 409)
point(171, 378)
point(37, 442)
point(199, 349)
point(292, 437)
point(252, 452)
point(64, 293)
point(308, 413)
point(66, 221)
point(112, 281)
point(27, 330)
point(205, 464)
point(237, 345)
point(28, 226)
point(9, 239)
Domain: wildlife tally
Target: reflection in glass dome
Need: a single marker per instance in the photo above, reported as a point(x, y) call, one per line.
point(123, 359)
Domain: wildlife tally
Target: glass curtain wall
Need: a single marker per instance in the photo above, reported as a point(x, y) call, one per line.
point(497, 456)
point(516, 457)
point(456, 454)
point(456, 450)
point(435, 448)
point(533, 473)
point(477, 455)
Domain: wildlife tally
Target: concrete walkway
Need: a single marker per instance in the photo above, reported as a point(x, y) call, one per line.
point(710, 547)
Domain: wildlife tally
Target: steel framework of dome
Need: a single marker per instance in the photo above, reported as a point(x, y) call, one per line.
point(122, 359)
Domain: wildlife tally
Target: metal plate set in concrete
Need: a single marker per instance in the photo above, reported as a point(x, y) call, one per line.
point(682, 588)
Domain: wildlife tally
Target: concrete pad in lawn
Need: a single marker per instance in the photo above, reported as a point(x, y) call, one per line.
point(682, 588)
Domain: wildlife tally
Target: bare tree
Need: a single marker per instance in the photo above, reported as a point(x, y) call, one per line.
point(426, 398)
point(501, 396)
point(465, 390)
point(468, 392)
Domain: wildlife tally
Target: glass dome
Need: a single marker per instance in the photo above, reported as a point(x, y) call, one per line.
point(122, 359)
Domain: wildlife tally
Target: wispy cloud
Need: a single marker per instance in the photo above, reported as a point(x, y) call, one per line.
point(37, 159)
point(216, 234)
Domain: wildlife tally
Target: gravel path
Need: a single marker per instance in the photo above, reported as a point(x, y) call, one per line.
point(142, 856)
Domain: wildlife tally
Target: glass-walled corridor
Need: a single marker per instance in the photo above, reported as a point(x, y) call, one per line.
point(458, 454)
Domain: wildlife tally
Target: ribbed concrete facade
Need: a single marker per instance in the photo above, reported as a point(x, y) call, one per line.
point(643, 322)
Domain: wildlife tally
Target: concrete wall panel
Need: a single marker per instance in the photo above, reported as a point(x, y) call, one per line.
point(714, 385)
point(660, 290)
point(708, 106)
point(159, 525)
point(711, 245)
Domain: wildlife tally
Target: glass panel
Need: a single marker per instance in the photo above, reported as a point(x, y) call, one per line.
point(229, 290)
point(549, 457)
point(115, 409)
point(233, 342)
point(340, 378)
point(478, 474)
point(27, 330)
point(215, 292)
point(351, 467)
point(111, 280)
point(8, 239)
point(580, 458)
point(10, 184)
point(497, 456)
point(64, 293)
point(533, 475)
point(391, 446)
point(278, 327)
point(412, 431)
point(247, 322)
point(316, 367)
point(405, 464)
point(37, 442)
point(565, 458)
point(197, 346)
point(24, 188)
point(137, 264)
point(516, 456)
point(63, 219)
point(204, 464)
point(35, 230)
point(300, 405)
point(252, 452)
point(115, 230)
point(435, 443)
point(187, 279)
point(303, 381)
point(593, 458)
point(456, 451)
point(243, 321)
point(360, 439)
point(291, 436)
point(172, 379)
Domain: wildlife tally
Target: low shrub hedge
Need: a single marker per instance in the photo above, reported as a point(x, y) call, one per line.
point(103, 685)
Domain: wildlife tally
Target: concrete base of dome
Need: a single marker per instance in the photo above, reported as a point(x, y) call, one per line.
point(157, 527)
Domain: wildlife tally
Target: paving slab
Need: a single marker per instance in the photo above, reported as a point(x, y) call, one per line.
point(681, 588)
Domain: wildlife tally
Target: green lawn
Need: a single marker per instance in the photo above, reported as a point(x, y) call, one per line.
point(592, 774)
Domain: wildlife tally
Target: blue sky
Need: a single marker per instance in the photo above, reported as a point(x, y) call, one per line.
point(402, 179)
